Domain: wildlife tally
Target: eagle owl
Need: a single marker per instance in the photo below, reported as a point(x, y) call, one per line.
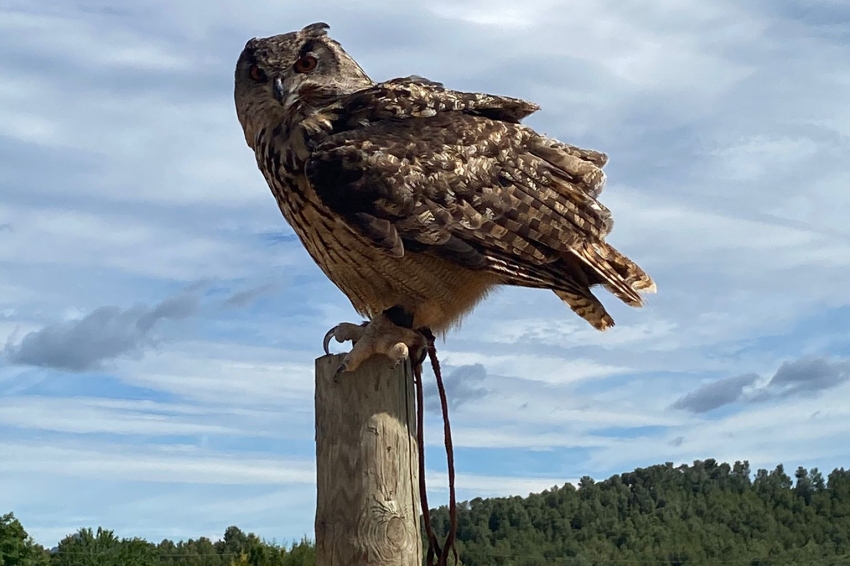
point(417, 200)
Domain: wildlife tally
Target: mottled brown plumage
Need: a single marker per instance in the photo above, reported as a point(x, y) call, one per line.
point(408, 194)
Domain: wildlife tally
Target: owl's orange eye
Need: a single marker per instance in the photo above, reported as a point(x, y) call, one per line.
point(305, 64)
point(256, 73)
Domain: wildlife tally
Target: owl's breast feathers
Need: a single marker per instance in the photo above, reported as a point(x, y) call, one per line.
point(429, 177)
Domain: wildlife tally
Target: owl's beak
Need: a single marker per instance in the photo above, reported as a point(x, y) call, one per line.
point(279, 90)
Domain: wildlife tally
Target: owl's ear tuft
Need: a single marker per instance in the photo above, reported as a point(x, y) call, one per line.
point(319, 29)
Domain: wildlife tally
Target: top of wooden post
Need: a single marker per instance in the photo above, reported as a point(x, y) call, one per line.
point(367, 505)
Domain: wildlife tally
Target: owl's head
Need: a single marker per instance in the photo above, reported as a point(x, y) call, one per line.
point(292, 75)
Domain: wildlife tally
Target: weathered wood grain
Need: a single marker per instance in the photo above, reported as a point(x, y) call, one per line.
point(367, 507)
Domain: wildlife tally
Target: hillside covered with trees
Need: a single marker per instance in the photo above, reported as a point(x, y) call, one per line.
point(707, 513)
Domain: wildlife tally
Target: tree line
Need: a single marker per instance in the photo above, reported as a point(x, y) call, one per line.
point(708, 513)
point(88, 547)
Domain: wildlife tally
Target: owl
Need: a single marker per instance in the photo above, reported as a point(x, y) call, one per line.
point(417, 201)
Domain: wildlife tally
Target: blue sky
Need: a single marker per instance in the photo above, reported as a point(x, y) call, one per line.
point(159, 320)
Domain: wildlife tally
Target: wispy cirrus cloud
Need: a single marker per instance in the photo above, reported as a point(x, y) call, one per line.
point(242, 299)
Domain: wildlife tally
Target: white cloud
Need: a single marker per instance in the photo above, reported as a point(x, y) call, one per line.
point(538, 368)
point(136, 245)
point(472, 485)
point(799, 431)
point(87, 415)
point(491, 14)
point(95, 46)
point(226, 372)
point(164, 463)
point(751, 158)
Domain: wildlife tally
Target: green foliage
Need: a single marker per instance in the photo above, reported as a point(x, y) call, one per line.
point(704, 514)
point(103, 548)
point(707, 513)
point(16, 546)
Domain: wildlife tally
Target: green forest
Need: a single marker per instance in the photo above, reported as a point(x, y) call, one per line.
point(704, 514)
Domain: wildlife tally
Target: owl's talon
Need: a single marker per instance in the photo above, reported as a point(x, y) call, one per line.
point(379, 336)
point(343, 332)
point(327, 341)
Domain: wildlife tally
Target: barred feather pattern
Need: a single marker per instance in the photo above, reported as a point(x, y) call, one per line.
point(408, 193)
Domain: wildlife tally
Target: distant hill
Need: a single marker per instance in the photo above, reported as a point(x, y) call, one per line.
point(707, 513)
point(704, 514)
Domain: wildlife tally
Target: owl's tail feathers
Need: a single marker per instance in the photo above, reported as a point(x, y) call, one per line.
point(588, 307)
point(616, 272)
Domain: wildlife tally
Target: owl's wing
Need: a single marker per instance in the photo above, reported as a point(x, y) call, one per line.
point(484, 193)
point(418, 97)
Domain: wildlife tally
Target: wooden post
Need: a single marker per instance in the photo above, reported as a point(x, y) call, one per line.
point(367, 504)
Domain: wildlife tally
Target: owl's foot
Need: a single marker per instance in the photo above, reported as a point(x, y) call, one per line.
point(379, 336)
